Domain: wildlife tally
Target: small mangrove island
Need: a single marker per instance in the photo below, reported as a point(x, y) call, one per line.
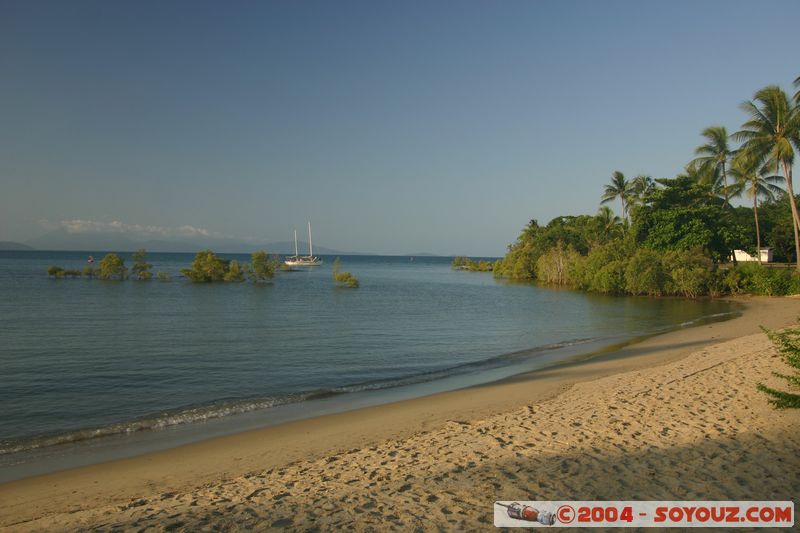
point(207, 267)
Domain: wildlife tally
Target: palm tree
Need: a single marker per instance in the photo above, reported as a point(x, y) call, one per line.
point(608, 220)
point(704, 175)
point(749, 175)
point(618, 188)
point(769, 135)
point(714, 155)
point(641, 186)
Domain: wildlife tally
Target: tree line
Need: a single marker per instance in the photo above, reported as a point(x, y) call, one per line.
point(207, 267)
point(675, 236)
point(465, 263)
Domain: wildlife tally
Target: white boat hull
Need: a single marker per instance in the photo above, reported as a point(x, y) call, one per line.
point(303, 262)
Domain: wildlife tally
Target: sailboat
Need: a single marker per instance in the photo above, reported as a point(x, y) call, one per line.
point(298, 260)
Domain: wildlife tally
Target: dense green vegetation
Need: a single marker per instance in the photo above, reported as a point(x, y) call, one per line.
point(110, 267)
point(262, 267)
point(787, 343)
point(465, 263)
point(343, 279)
point(141, 268)
point(676, 236)
point(207, 267)
point(579, 233)
point(58, 272)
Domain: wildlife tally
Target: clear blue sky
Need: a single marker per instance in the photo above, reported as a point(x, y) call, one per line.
point(396, 127)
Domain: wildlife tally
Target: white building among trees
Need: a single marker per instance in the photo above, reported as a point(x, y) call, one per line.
point(742, 256)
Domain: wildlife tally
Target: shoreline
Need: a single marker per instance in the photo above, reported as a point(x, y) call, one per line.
point(120, 444)
point(222, 459)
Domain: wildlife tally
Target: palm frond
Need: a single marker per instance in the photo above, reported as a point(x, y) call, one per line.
point(773, 129)
point(757, 118)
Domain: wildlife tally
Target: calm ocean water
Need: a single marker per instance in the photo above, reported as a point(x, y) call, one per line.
point(82, 359)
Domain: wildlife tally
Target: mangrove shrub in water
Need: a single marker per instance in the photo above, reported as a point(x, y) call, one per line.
point(55, 271)
point(206, 268)
point(343, 279)
point(465, 263)
point(141, 268)
point(262, 266)
point(110, 267)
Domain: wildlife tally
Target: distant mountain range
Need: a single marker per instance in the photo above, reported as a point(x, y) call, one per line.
point(8, 245)
point(61, 239)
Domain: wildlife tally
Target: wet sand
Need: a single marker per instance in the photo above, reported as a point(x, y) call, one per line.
point(676, 416)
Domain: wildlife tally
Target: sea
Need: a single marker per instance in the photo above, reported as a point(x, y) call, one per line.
point(94, 370)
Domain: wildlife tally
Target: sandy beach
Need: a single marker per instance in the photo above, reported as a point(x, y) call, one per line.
point(675, 416)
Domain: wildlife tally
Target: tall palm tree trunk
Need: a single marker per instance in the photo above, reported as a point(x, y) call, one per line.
point(725, 185)
point(787, 172)
point(758, 232)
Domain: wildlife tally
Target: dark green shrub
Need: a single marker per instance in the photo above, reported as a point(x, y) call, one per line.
point(519, 263)
point(794, 284)
point(758, 279)
point(689, 273)
point(262, 266)
point(788, 345)
point(610, 279)
point(734, 281)
point(602, 270)
point(458, 262)
point(644, 273)
point(772, 282)
point(343, 279)
point(346, 279)
point(465, 263)
point(111, 266)
point(716, 283)
point(141, 268)
point(206, 268)
point(234, 272)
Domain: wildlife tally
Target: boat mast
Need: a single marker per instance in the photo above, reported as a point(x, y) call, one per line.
point(310, 247)
point(295, 243)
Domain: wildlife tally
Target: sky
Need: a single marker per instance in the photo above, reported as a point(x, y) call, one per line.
point(394, 127)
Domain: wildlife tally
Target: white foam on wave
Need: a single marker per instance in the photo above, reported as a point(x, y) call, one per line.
point(157, 422)
point(198, 414)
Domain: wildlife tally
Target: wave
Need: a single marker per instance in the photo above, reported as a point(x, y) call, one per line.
point(224, 408)
point(230, 407)
point(709, 318)
point(162, 420)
